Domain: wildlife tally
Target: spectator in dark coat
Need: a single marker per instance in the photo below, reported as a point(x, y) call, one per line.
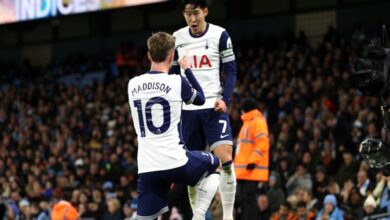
point(320, 183)
point(354, 206)
point(275, 192)
point(114, 211)
point(264, 211)
point(348, 169)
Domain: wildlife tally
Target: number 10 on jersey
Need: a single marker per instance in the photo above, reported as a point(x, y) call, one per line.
point(166, 108)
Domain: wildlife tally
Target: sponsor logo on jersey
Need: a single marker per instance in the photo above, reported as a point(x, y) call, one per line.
point(199, 62)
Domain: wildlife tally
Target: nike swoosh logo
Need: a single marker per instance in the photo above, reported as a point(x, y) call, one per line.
point(202, 190)
point(223, 136)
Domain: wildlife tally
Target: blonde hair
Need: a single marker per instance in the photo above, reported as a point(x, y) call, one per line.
point(160, 45)
point(115, 203)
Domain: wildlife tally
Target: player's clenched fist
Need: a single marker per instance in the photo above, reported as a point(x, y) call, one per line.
point(184, 62)
point(220, 106)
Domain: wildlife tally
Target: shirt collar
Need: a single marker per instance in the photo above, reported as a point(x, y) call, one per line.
point(154, 72)
point(202, 34)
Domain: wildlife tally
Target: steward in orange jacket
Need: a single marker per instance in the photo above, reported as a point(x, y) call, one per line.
point(251, 160)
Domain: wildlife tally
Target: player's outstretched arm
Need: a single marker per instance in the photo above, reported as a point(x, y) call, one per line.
point(175, 68)
point(194, 83)
point(192, 92)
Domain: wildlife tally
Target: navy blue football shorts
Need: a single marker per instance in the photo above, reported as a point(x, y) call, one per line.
point(153, 187)
point(205, 127)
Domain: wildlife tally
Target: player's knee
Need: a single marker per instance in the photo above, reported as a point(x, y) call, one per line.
point(226, 158)
point(224, 152)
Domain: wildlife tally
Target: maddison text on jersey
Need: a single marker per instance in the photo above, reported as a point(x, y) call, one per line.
point(151, 86)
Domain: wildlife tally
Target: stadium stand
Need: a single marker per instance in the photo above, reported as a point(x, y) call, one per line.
point(66, 131)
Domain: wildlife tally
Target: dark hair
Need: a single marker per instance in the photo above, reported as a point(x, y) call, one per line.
point(159, 46)
point(300, 164)
point(286, 204)
point(196, 3)
point(249, 104)
point(301, 204)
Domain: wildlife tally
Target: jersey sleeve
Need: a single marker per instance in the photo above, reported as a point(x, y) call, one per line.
point(226, 48)
point(228, 66)
point(175, 68)
point(191, 92)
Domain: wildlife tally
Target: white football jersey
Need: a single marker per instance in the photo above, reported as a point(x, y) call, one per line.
point(206, 52)
point(156, 102)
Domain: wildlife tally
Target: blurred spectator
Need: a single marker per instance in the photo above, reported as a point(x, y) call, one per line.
point(334, 189)
point(346, 190)
point(364, 184)
point(25, 209)
point(354, 205)
point(44, 211)
point(301, 178)
point(320, 183)
point(330, 210)
point(305, 195)
point(275, 192)
point(130, 209)
point(370, 207)
point(304, 213)
point(114, 211)
point(348, 169)
point(284, 169)
point(284, 213)
point(263, 206)
point(11, 213)
point(383, 190)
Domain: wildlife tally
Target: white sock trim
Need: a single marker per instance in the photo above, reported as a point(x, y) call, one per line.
point(227, 190)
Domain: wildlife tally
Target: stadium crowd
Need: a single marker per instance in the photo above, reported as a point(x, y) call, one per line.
point(76, 141)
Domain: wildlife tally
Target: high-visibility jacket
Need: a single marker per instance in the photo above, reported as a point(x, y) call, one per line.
point(63, 210)
point(252, 147)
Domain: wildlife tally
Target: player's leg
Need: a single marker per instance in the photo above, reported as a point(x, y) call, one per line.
point(228, 182)
point(206, 192)
point(192, 130)
point(218, 133)
point(194, 139)
point(152, 196)
point(201, 169)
